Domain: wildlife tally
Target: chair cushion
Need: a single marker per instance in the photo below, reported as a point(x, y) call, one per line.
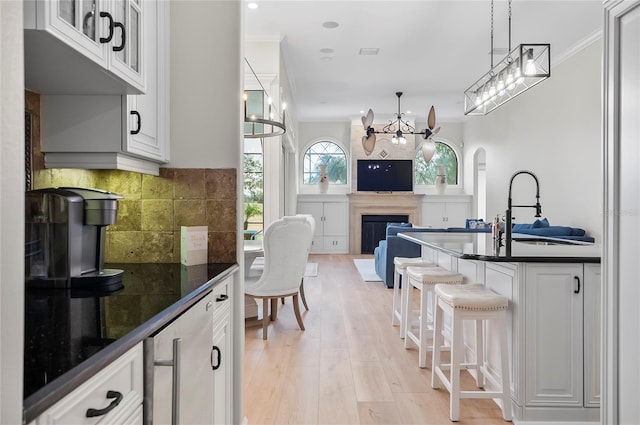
point(471, 297)
point(404, 262)
point(433, 275)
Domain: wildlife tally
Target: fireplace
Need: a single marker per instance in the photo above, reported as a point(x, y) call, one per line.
point(374, 229)
point(388, 204)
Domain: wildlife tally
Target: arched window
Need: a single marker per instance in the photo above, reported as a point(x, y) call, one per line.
point(425, 172)
point(324, 152)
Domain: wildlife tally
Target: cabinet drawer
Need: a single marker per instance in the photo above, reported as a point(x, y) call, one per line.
point(336, 244)
point(221, 295)
point(123, 376)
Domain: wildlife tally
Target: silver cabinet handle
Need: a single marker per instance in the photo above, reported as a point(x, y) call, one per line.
point(175, 381)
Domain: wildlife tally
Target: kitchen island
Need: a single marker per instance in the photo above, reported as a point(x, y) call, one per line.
point(70, 336)
point(553, 287)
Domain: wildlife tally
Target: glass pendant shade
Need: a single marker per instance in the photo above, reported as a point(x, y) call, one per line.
point(507, 80)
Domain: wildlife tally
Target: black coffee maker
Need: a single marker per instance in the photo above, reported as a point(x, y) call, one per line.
point(65, 237)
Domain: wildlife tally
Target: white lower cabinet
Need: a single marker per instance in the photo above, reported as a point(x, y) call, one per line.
point(332, 225)
point(553, 337)
point(194, 356)
point(112, 396)
point(554, 334)
point(445, 211)
point(562, 326)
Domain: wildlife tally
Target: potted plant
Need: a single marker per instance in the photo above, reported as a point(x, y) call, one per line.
point(250, 210)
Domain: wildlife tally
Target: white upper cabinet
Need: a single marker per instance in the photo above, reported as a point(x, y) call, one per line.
point(115, 131)
point(84, 46)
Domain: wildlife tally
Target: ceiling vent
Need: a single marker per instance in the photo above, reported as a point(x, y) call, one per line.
point(369, 51)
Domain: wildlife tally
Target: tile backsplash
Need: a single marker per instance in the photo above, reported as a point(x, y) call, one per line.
point(154, 208)
point(147, 229)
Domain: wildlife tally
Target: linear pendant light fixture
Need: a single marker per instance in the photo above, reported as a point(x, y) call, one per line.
point(523, 67)
point(262, 123)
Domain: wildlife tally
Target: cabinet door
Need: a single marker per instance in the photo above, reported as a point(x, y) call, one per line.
point(145, 132)
point(433, 214)
point(316, 209)
point(592, 334)
point(335, 219)
point(554, 325)
point(222, 360)
point(126, 57)
point(78, 24)
point(456, 214)
point(194, 328)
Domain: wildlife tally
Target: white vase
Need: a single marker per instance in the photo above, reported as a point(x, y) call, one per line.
point(441, 183)
point(323, 183)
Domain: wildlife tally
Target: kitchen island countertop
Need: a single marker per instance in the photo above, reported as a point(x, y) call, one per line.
point(525, 248)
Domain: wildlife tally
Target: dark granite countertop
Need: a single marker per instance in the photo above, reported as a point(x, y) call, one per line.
point(70, 335)
point(524, 249)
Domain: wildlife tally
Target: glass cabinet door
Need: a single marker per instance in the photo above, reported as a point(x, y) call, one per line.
point(79, 24)
point(127, 43)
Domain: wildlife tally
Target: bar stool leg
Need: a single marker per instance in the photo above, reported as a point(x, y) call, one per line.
point(396, 303)
point(479, 354)
point(406, 305)
point(423, 347)
point(504, 358)
point(437, 343)
point(457, 349)
point(408, 311)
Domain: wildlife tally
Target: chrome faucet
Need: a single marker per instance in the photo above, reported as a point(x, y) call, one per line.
point(510, 207)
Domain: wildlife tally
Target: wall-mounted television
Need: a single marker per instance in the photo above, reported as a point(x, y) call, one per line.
point(385, 175)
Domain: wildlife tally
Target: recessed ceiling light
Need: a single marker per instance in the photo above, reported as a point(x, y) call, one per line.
point(252, 5)
point(369, 51)
point(326, 59)
point(330, 24)
point(326, 50)
point(362, 112)
point(408, 112)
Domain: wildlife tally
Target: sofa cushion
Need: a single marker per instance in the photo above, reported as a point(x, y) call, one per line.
point(540, 223)
point(394, 228)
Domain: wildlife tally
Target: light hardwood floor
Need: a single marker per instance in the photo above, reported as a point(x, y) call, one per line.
point(349, 366)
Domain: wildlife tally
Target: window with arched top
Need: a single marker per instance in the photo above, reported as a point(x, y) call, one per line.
point(426, 172)
point(324, 153)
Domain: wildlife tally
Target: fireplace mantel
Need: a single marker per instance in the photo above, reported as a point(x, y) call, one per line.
point(379, 204)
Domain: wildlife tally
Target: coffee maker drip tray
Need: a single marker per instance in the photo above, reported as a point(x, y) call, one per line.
point(99, 279)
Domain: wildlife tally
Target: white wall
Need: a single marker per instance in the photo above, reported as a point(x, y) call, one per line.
point(206, 87)
point(206, 110)
point(553, 130)
point(12, 211)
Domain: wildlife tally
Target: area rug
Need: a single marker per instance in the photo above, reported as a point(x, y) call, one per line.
point(366, 268)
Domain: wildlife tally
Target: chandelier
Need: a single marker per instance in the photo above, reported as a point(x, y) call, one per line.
point(258, 121)
point(523, 67)
point(399, 127)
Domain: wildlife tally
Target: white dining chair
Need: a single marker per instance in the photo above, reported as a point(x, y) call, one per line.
point(286, 243)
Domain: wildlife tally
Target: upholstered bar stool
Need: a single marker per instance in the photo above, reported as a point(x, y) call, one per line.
point(424, 279)
point(478, 303)
point(400, 266)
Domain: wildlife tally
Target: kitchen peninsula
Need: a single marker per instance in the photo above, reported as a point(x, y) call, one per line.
point(553, 287)
point(83, 345)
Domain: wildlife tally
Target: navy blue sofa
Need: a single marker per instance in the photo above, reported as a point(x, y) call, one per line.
point(543, 228)
point(395, 246)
